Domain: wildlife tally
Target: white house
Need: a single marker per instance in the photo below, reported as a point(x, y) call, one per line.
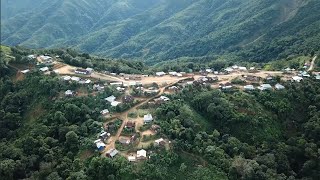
point(68, 93)
point(173, 73)
point(265, 87)
point(116, 84)
point(110, 99)
point(88, 81)
point(229, 69)
point(104, 112)
point(164, 98)
point(249, 88)
point(147, 118)
point(279, 87)
point(120, 89)
point(160, 73)
point(112, 153)
point(66, 78)
point(89, 70)
point(44, 69)
point(142, 154)
point(74, 78)
point(31, 56)
point(242, 69)
point(297, 78)
point(131, 158)
point(235, 67)
point(115, 103)
point(209, 70)
point(318, 77)
point(159, 141)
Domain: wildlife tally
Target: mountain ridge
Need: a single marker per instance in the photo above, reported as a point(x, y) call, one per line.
point(162, 30)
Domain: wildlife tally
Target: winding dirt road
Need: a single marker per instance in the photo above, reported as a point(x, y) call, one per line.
point(312, 63)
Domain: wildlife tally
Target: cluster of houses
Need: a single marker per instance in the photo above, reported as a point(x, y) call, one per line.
point(236, 68)
point(171, 73)
point(263, 87)
point(303, 74)
point(76, 79)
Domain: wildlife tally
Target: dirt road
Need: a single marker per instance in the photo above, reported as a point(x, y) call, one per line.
point(312, 63)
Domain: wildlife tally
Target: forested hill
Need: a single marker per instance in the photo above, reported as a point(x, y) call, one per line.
point(158, 30)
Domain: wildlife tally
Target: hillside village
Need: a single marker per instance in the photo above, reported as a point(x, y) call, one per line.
point(130, 126)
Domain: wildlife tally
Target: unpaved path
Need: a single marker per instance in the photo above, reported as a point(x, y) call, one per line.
point(312, 63)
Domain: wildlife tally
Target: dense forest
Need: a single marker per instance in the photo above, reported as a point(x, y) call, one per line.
point(214, 134)
point(161, 30)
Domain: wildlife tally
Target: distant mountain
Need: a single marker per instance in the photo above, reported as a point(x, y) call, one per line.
point(157, 30)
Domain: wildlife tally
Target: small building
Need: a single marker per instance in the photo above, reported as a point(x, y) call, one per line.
point(98, 87)
point(297, 78)
point(317, 77)
point(173, 88)
point(44, 69)
point(159, 142)
point(74, 78)
point(81, 71)
point(68, 93)
point(31, 56)
point(264, 87)
point(25, 71)
point(173, 73)
point(209, 70)
point(124, 141)
point(115, 103)
point(147, 118)
point(112, 153)
point(242, 69)
point(100, 145)
point(141, 154)
point(110, 99)
point(66, 78)
point(279, 87)
point(104, 136)
point(131, 158)
point(89, 70)
point(249, 88)
point(164, 98)
point(116, 84)
point(304, 74)
point(229, 70)
point(160, 73)
point(269, 78)
point(226, 86)
point(104, 112)
point(235, 67)
point(120, 89)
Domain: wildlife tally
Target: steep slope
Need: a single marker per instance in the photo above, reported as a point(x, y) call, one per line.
point(158, 30)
